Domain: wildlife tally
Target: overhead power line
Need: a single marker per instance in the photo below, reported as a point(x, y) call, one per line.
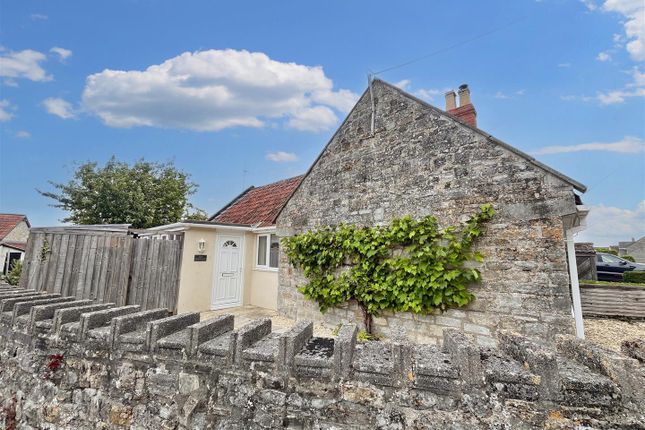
point(453, 46)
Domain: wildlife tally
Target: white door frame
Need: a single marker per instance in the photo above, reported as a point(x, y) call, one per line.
point(219, 240)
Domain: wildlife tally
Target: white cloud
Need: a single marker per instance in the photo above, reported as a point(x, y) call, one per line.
point(628, 145)
point(5, 114)
point(619, 96)
point(635, 88)
point(23, 64)
point(343, 100)
point(403, 84)
point(503, 96)
point(62, 53)
point(608, 225)
point(22, 134)
point(564, 65)
point(317, 118)
point(633, 12)
point(638, 78)
point(215, 89)
point(429, 94)
point(281, 156)
point(38, 17)
point(59, 107)
point(603, 56)
point(590, 4)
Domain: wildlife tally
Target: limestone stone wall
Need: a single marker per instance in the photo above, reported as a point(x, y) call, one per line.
point(419, 162)
point(71, 365)
point(19, 233)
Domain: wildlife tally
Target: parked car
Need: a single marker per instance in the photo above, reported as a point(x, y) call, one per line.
point(611, 267)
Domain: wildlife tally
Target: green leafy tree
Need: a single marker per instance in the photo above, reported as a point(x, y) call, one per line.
point(409, 265)
point(195, 214)
point(145, 194)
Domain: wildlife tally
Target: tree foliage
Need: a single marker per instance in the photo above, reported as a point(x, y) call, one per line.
point(409, 265)
point(145, 194)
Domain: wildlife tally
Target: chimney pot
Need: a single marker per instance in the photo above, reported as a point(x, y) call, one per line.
point(451, 100)
point(464, 95)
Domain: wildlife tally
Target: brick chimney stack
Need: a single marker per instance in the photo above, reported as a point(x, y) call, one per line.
point(466, 111)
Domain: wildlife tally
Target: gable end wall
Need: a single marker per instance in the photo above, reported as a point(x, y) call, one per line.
point(422, 162)
point(19, 233)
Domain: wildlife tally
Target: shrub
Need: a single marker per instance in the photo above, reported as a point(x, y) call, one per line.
point(607, 251)
point(628, 258)
point(13, 276)
point(634, 277)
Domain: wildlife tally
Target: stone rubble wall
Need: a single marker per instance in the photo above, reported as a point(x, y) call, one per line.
point(65, 364)
point(420, 162)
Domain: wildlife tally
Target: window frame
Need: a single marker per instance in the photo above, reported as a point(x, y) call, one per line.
point(266, 267)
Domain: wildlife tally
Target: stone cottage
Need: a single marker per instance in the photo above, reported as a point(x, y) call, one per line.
point(396, 155)
point(14, 231)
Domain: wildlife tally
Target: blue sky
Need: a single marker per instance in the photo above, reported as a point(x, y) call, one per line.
point(244, 93)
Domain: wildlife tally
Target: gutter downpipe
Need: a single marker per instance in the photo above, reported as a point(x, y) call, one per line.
point(578, 223)
point(575, 284)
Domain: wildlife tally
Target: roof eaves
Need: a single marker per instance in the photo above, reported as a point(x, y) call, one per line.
point(229, 204)
point(223, 224)
point(577, 185)
point(13, 245)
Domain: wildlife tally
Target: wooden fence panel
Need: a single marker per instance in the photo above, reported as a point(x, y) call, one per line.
point(622, 301)
point(105, 266)
point(154, 274)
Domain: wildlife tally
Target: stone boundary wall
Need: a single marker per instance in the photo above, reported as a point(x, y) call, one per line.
point(66, 363)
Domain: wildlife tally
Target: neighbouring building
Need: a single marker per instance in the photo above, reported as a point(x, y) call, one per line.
point(14, 231)
point(396, 155)
point(635, 248)
point(232, 259)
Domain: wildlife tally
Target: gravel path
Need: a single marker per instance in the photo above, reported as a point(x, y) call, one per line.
point(611, 332)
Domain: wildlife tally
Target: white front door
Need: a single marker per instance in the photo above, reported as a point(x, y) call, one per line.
point(227, 285)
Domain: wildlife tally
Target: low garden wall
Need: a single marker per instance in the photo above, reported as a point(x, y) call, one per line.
point(65, 364)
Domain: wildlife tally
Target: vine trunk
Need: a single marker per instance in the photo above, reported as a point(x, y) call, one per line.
point(367, 317)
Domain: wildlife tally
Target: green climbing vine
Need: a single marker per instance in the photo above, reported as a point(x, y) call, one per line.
point(45, 250)
point(409, 265)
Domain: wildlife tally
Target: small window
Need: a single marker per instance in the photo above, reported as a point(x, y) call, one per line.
point(262, 250)
point(268, 251)
point(274, 251)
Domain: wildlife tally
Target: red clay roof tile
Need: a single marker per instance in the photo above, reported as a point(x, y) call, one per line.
point(258, 205)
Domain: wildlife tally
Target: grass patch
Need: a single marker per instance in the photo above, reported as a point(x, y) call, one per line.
point(611, 283)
